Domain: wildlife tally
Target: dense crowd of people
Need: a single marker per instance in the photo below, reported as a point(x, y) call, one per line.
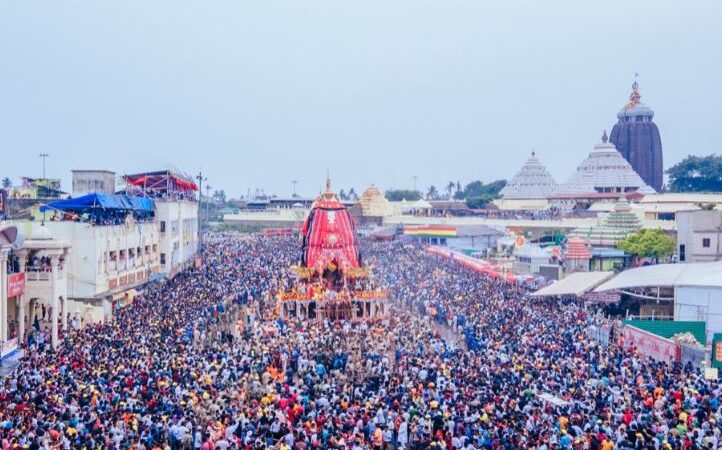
point(462, 361)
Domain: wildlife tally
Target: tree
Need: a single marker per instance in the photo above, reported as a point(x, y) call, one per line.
point(432, 193)
point(696, 174)
point(450, 187)
point(7, 183)
point(352, 194)
point(479, 189)
point(219, 196)
point(649, 243)
point(396, 195)
point(342, 195)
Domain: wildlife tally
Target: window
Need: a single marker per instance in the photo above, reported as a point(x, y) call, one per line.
point(162, 226)
point(682, 255)
point(705, 242)
point(162, 259)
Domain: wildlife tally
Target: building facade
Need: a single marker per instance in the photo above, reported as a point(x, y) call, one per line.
point(699, 236)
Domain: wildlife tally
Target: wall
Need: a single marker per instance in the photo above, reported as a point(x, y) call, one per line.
point(177, 222)
point(105, 258)
point(700, 303)
point(695, 226)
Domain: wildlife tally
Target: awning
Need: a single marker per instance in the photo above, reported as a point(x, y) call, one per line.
point(90, 201)
point(694, 274)
point(577, 284)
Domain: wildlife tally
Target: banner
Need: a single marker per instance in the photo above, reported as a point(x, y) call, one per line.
point(16, 284)
point(8, 347)
point(649, 344)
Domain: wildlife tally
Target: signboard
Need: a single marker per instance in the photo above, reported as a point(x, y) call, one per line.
point(8, 347)
point(16, 284)
point(602, 297)
point(711, 373)
point(519, 241)
point(650, 344)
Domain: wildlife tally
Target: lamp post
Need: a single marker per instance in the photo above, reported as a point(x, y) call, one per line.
point(200, 179)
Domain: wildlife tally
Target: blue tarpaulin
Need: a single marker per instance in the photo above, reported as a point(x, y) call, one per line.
point(121, 202)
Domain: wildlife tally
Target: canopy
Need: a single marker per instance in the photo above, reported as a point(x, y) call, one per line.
point(694, 274)
point(577, 284)
point(121, 202)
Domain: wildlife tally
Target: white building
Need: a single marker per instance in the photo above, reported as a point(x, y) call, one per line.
point(699, 236)
point(690, 292)
point(93, 182)
point(177, 222)
point(176, 215)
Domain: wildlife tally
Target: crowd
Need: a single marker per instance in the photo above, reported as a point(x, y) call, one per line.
point(461, 362)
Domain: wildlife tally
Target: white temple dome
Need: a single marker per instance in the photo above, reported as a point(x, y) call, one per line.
point(604, 170)
point(532, 181)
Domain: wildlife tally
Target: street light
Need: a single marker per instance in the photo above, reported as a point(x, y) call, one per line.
point(200, 179)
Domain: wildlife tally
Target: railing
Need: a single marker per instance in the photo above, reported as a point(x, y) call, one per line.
point(41, 275)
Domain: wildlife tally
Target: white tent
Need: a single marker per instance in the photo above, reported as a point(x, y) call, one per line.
point(578, 284)
point(695, 274)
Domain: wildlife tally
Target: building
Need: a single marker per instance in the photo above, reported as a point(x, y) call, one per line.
point(115, 248)
point(37, 188)
point(604, 175)
point(576, 256)
point(176, 215)
point(464, 238)
point(529, 188)
point(699, 236)
point(685, 292)
point(371, 208)
point(636, 137)
point(615, 227)
point(666, 206)
point(93, 182)
point(529, 258)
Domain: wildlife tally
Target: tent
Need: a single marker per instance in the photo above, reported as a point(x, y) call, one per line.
point(578, 284)
point(91, 201)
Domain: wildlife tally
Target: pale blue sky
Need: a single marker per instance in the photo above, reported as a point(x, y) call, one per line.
point(259, 93)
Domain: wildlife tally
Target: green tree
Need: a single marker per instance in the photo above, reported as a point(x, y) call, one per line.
point(432, 193)
point(479, 189)
point(649, 243)
point(7, 183)
point(342, 195)
point(696, 174)
point(352, 194)
point(396, 195)
point(450, 188)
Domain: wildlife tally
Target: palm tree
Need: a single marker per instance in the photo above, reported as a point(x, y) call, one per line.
point(432, 193)
point(7, 183)
point(450, 187)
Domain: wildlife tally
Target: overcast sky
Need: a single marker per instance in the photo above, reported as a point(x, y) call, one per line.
point(259, 93)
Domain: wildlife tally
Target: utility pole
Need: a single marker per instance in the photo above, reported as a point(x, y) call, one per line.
point(208, 198)
point(415, 178)
point(44, 156)
point(295, 182)
point(200, 179)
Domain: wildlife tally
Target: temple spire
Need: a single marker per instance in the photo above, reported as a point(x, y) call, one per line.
point(605, 138)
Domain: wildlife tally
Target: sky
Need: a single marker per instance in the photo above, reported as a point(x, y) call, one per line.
point(256, 94)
